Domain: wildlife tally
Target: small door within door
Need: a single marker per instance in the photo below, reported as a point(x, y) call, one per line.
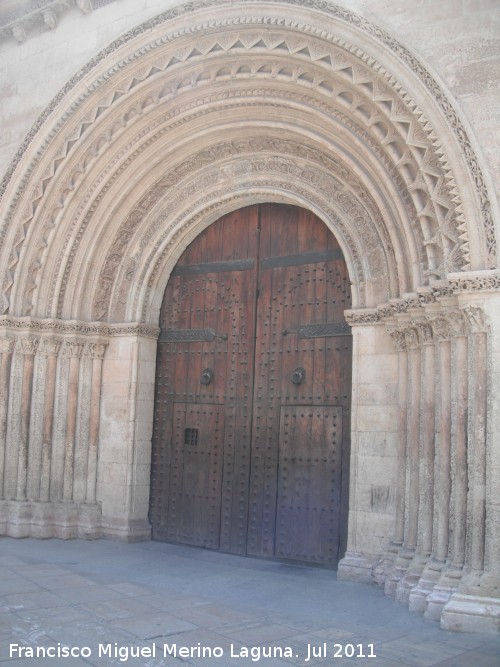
point(251, 418)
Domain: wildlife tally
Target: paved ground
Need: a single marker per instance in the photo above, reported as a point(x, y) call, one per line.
point(109, 598)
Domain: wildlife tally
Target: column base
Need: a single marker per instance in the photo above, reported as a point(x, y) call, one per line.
point(427, 582)
point(385, 566)
point(43, 520)
point(399, 570)
point(471, 613)
point(446, 585)
point(18, 518)
point(357, 567)
point(89, 524)
point(411, 578)
point(126, 530)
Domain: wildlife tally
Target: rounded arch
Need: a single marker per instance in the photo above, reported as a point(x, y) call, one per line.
point(208, 102)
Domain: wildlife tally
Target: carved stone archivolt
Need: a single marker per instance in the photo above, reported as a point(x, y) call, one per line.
point(206, 108)
point(345, 207)
point(323, 81)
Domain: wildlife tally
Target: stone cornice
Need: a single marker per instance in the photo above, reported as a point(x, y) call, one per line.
point(19, 22)
point(12, 325)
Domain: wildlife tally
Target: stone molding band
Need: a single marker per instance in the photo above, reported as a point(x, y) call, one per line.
point(11, 325)
point(473, 283)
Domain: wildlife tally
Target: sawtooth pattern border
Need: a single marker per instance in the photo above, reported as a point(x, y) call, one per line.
point(77, 229)
point(424, 127)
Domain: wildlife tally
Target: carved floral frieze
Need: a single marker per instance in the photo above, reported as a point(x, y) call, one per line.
point(10, 326)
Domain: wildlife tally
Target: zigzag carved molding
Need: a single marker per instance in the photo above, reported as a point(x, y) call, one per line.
point(399, 109)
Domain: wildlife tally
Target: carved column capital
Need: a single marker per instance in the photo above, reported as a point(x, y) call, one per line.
point(50, 19)
point(73, 348)
point(475, 318)
point(398, 337)
point(457, 322)
point(19, 33)
point(425, 333)
point(411, 337)
point(440, 327)
point(97, 350)
point(29, 345)
point(7, 345)
point(49, 347)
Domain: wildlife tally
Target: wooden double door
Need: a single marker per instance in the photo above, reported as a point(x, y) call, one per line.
point(251, 416)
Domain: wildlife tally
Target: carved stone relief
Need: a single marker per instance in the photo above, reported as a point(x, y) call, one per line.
point(76, 233)
point(64, 328)
point(360, 228)
point(445, 246)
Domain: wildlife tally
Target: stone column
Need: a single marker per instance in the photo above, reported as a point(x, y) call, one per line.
point(490, 580)
point(425, 471)
point(476, 458)
point(82, 432)
point(49, 348)
point(386, 574)
point(413, 437)
point(459, 451)
point(427, 421)
point(73, 350)
point(412, 440)
point(475, 606)
point(451, 572)
point(97, 351)
point(6, 349)
point(441, 326)
point(28, 347)
point(125, 430)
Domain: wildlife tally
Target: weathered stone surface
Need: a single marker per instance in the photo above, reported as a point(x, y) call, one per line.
point(134, 146)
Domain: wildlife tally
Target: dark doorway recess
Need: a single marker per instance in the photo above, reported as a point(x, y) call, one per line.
point(253, 386)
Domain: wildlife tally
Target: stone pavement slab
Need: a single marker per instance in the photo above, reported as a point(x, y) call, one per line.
point(118, 604)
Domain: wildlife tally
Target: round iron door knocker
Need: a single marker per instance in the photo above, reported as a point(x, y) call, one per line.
point(207, 376)
point(298, 375)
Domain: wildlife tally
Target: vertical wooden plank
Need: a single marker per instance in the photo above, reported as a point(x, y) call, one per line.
point(307, 521)
point(194, 510)
point(253, 369)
